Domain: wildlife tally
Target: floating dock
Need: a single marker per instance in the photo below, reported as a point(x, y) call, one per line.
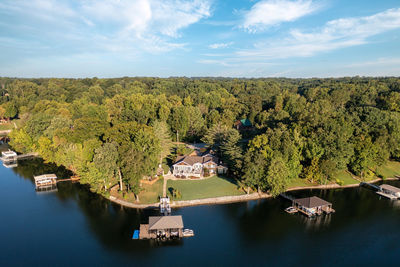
point(165, 207)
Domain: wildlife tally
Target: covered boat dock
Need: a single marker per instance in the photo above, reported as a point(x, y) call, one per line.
point(312, 206)
point(162, 227)
point(45, 180)
point(9, 156)
point(389, 191)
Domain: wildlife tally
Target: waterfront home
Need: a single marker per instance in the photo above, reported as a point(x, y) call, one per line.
point(163, 227)
point(195, 166)
point(312, 206)
point(389, 191)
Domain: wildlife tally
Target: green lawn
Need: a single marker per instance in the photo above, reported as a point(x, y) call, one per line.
point(212, 187)
point(346, 177)
point(150, 193)
point(389, 170)
point(299, 182)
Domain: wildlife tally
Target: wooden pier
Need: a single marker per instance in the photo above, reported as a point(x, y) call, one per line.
point(27, 156)
point(374, 186)
point(72, 179)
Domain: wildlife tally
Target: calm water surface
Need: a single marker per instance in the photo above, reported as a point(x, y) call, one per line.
point(75, 227)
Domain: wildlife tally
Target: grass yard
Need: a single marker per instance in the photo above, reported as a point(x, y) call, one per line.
point(346, 177)
point(299, 182)
point(389, 170)
point(212, 187)
point(150, 193)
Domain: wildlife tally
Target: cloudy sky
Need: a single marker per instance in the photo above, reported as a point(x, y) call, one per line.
point(235, 38)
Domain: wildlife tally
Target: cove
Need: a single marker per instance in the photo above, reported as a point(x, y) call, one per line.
point(76, 227)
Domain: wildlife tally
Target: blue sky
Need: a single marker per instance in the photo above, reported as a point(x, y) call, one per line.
point(247, 38)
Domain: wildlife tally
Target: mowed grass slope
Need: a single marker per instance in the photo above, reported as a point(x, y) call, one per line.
point(389, 170)
point(150, 193)
point(211, 187)
point(346, 177)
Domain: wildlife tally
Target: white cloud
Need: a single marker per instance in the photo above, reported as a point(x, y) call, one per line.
point(336, 34)
point(220, 45)
point(111, 25)
point(267, 13)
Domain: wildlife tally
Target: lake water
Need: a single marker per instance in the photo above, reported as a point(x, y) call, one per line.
point(75, 227)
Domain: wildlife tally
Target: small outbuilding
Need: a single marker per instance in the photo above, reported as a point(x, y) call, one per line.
point(312, 206)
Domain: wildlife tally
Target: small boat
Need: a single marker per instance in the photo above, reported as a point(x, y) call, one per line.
point(291, 210)
point(135, 234)
point(188, 232)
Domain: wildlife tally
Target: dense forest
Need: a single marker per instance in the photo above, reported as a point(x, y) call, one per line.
point(118, 130)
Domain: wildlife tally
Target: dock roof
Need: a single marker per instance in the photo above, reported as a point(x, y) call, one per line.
point(311, 202)
point(390, 188)
point(45, 176)
point(165, 222)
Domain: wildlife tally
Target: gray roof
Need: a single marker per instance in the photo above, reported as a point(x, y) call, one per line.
point(390, 188)
point(191, 160)
point(165, 222)
point(311, 202)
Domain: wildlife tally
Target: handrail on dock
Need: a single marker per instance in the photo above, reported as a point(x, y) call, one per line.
point(377, 187)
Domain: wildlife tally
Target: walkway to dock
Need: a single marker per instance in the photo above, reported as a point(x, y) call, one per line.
point(377, 187)
point(165, 186)
point(73, 179)
point(27, 155)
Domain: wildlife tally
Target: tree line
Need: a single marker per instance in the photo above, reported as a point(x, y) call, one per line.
point(111, 131)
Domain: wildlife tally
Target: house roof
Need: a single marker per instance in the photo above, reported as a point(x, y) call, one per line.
point(311, 202)
point(165, 222)
point(390, 188)
point(191, 160)
point(246, 122)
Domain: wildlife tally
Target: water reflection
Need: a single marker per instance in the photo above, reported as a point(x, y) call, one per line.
point(47, 189)
point(238, 233)
point(10, 164)
point(316, 223)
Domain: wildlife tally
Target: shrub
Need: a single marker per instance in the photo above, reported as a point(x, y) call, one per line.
point(339, 182)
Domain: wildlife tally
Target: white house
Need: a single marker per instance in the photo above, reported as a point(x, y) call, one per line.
point(194, 166)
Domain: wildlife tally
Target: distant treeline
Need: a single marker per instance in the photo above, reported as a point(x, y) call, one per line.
point(107, 130)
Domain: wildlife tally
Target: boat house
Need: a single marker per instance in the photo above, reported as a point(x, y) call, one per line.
point(162, 227)
point(45, 180)
point(312, 206)
point(389, 191)
point(8, 156)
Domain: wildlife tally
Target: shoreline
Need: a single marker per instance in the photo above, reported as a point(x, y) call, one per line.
point(232, 199)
